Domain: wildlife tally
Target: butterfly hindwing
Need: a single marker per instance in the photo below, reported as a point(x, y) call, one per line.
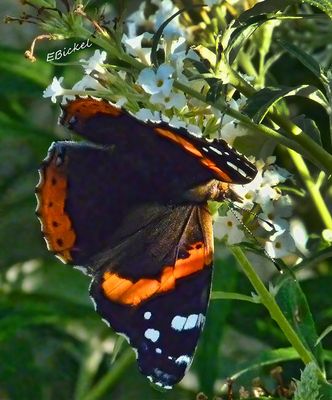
point(161, 315)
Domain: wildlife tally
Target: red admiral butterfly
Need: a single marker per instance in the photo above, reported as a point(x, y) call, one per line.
point(131, 209)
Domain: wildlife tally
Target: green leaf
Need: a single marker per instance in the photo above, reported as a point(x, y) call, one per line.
point(326, 332)
point(242, 33)
point(309, 127)
point(314, 259)
point(14, 62)
point(258, 105)
point(264, 7)
point(265, 358)
point(306, 59)
point(19, 311)
point(308, 387)
point(324, 5)
point(294, 305)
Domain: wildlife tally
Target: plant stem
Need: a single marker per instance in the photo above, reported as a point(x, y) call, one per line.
point(314, 151)
point(245, 120)
point(313, 189)
point(111, 377)
point(269, 302)
point(328, 90)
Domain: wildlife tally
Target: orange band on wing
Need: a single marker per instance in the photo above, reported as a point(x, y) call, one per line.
point(125, 291)
point(56, 225)
point(194, 151)
point(87, 108)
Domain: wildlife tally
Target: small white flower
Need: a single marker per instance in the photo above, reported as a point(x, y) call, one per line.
point(94, 63)
point(176, 100)
point(144, 114)
point(194, 130)
point(272, 221)
point(228, 225)
point(247, 200)
point(281, 244)
point(231, 131)
point(176, 122)
point(249, 191)
point(178, 53)
point(134, 46)
point(166, 9)
point(299, 234)
point(275, 175)
point(54, 89)
point(265, 194)
point(87, 82)
point(157, 82)
point(136, 19)
point(121, 102)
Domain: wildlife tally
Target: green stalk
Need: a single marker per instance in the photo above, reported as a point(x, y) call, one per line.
point(244, 119)
point(246, 64)
point(313, 150)
point(313, 189)
point(269, 302)
point(111, 377)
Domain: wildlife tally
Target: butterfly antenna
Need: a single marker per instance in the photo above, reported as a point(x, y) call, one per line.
point(231, 208)
point(234, 206)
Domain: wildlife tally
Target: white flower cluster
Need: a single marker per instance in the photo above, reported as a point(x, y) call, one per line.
point(94, 63)
point(276, 209)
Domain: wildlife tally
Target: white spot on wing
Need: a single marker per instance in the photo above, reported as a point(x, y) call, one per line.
point(160, 384)
point(216, 150)
point(158, 350)
point(242, 172)
point(178, 322)
point(191, 322)
point(183, 360)
point(205, 149)
point(230, 164)
point(147, 315)
point(152, 334)
point(239, 170)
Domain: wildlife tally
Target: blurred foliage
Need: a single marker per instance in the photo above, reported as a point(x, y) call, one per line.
point(53, 345)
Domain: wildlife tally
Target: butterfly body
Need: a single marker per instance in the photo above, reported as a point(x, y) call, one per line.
point(131, 208)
